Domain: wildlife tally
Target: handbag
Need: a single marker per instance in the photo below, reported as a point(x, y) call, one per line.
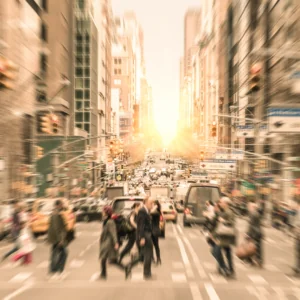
point(70, 236)
point(225, 231)
point(246, 249)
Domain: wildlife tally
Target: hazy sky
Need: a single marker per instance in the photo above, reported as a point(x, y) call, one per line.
point(162, 22)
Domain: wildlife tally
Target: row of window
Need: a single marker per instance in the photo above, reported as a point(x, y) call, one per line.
point(82, 104)
point(117, 71)
point(82, 117)
point(82, 94)
point(81, 50)
point(81, 72)
point(118, 61)
point(81, 83)
point(117, 81)
point(85, 127)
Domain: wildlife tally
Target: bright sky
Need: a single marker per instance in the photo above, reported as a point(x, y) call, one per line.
point(163, 24)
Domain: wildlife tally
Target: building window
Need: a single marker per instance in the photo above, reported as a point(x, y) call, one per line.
point(79, 72)
point(87, 127)
point(120, 61)
point(87, 60)
point(119, 71)
point(86, 104)
point(79, 83)
point(116, 61)
point(81, 4)
point(87, 72)
point(78, 105)
point(78, 117)
point(117, 81)
point(87, 94)
point(44, 34)
point(79, 126)
point(45, 5)
point(86, 83)
point(87, 117)
point(115, 71)
point(79, 60)
point(79, 94)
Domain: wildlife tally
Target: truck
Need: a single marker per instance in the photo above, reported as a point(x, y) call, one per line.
point(118, 190)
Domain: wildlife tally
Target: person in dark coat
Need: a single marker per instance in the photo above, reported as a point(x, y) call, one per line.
point(144, 240)
point(57, 234)
point(225, 243)
point(132, 235)
point(108, 243)
point(255, 233)
point(156, 215)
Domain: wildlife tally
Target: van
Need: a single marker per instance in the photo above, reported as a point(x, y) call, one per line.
point(195, 200)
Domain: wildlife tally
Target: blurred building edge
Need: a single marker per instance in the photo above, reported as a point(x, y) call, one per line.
point(233, 36)
point(20, 42)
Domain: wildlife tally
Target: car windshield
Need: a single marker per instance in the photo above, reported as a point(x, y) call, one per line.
point(5, 211)
point(121, 205)
point(167, 206)
point(203, 194)
point(46, 206)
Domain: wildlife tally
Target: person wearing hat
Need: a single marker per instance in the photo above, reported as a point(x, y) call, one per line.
point(109, 245)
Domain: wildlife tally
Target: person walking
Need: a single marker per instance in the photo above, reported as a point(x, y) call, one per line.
point(57, 234)
point(226, 219)
point(26, 245)
point(132, 235)
point(15, 230)
point(255, 233)
point(109, 245)
point(156, 214)
point(144, 240)
point(296, 268)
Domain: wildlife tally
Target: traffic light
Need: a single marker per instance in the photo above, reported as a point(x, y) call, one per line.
point(254, 85)
point(214, 129)
point(39, 152)
point(7, 73)
point(54, 122)
point(201, 155)
point(44, 124)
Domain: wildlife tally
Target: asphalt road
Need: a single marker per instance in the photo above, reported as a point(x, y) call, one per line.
point(188, 272)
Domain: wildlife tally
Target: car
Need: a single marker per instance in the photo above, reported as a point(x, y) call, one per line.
point(169, 212)
point(123, 205)
point(41, 212)
point(6, 212)
point(88, 213)
point(195, 200)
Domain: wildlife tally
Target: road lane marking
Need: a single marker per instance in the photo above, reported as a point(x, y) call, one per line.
point(217, 278)
point(76, 263)
point(195, 291)
point(21, 277)
point(18, 291)
point(177, 265)
point(137, 277)
point(211, 292)
point(179, 229)
point(178, 277)
point(43, 265)
point(257, 279)
point(263, 293)
point(271, 268)
point(95, 276)
point(196, 260)
point(280, 295)
point(184, 255)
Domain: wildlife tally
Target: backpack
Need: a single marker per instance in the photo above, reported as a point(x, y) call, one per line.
point(123, 225)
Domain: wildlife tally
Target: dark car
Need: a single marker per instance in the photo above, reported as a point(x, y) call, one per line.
point(195, 200)
point(123, 206)
point(88, 213)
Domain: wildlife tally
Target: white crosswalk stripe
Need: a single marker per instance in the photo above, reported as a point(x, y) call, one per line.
point(76, 263)
point(257, 279)
point(21, 277)
point(178, 277)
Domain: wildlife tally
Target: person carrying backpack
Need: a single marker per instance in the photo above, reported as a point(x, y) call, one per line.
point(132, 234)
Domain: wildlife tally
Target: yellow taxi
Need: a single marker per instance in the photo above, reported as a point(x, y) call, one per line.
point(41, 212)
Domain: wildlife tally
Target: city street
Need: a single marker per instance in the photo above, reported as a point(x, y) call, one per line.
point(188, 271)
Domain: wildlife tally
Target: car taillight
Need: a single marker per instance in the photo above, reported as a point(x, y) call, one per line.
point(187, 211)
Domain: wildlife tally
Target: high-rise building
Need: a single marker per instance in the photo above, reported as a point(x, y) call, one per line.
point(55, 86)
point(20, 43)
point(128, 73)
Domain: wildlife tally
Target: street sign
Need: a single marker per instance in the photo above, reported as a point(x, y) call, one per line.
point(284, 120)
point(218, 164)
point(237, 155)
point(110, 167)
point(248, 131)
